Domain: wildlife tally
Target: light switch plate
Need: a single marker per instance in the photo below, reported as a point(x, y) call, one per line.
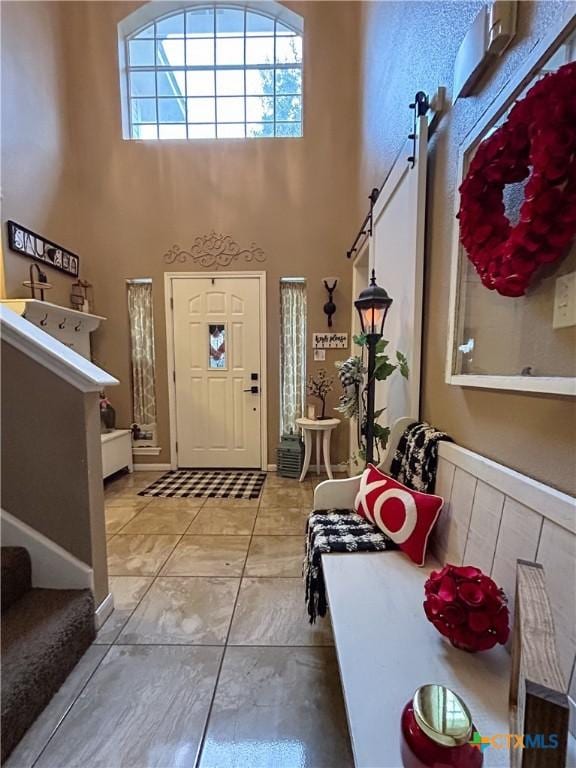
point(565, 301)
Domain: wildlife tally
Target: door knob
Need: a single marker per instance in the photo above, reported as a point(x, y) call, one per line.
point(253, 390)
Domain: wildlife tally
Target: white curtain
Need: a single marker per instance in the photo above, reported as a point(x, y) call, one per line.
point(142, 346)
point(292, 354)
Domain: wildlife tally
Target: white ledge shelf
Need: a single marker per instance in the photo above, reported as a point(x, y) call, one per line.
point(51, 353)
point(35, 311)
point(70, 326)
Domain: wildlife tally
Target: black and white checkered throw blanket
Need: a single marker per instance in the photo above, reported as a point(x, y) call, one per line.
point(335, 530)
point(414, 464)
point(416, 457)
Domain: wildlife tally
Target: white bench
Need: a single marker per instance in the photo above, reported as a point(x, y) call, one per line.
point(116, 451)
point(385, 645)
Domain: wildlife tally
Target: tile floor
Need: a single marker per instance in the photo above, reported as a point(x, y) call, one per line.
point(208, 659)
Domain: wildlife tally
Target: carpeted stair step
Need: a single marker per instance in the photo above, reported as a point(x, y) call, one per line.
point(44, 634)
point(16, 575)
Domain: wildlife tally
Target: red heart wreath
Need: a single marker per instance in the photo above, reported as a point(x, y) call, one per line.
point(538, 140)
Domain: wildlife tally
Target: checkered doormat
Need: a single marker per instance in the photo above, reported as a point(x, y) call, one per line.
point(205, 484)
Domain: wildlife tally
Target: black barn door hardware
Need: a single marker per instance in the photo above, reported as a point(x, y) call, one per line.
point(420, 106)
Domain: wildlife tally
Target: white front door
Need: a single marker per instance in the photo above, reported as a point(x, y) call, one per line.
point(218, 378)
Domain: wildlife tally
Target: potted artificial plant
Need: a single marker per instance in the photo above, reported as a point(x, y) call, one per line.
point(353, 378)
point(319, 386)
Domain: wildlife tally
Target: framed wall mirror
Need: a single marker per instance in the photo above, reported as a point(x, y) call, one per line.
point(507, 342)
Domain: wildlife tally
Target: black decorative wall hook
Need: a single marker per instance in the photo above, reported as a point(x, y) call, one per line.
point(330, 307)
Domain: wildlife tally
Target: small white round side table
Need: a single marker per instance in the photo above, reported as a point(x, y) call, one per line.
point(323, 429)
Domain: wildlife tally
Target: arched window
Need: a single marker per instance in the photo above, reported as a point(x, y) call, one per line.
point(211, 71)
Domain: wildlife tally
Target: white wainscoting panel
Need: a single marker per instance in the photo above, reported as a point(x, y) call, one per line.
point(444, 479)
point(484, 526)
point(510, 516)
point(454, 521)
point(557, 553)
point(547, 501)
point(518, 538)
point(492, 516)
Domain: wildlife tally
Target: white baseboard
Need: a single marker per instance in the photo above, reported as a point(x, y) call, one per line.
point(152, 467)
point(270, 467)
point(104, 610)
point(146, 450)
point(52, 566)
point(312, 468)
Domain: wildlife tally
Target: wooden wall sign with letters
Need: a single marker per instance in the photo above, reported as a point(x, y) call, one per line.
point(330, 340)
point(28, 243)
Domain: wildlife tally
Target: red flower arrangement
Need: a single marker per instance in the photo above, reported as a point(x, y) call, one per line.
point(537, 140)
point(467, 607)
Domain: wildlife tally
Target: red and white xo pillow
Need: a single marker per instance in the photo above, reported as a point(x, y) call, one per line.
point(405, 516)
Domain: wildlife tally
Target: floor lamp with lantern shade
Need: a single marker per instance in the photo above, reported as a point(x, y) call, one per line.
point(372, 304)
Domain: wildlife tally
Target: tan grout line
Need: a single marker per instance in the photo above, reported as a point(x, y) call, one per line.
point(260, 507)
point(159, 571)
point(163, 563)
point(257, 577)
point(227, 643)
point(108, 648)
point(152, 580)
point(215, 645)
point(56, 729)
point(129, 521)
point(202, 740)
point(191, 521)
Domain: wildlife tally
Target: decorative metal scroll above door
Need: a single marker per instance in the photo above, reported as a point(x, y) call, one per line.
point(214, 251)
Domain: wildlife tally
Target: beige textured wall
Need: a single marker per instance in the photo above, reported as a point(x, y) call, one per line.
point(38, 183)
point(294, 198)
point(51, 476)
point(68, 173)
point(51, 460)
point(531, 433)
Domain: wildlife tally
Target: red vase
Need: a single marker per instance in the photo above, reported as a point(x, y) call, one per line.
point(424, 745)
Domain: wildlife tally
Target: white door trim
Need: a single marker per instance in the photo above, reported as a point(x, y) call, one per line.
point(168, 278)
point(360, 263)
point(403, 173)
